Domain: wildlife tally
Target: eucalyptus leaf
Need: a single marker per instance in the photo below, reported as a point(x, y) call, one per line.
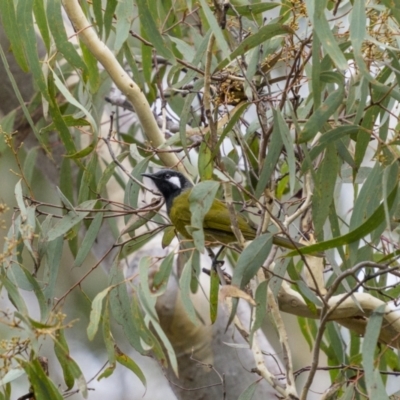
point(200, 201)
point(251, 260)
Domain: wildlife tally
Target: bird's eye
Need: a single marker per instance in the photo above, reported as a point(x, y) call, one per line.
point(167, 176)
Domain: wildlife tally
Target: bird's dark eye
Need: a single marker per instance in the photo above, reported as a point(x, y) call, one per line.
point(167, 176)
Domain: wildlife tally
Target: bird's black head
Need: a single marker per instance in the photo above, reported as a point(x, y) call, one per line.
point(170, 183)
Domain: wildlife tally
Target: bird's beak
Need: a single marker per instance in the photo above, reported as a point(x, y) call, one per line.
point(149, 176)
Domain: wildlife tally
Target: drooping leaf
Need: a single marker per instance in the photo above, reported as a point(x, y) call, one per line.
point(375, 386)
point(149, 26)
point(215, 28)
point(120, 306)
point(214, 290)
point(96, 313)
point(200, 201)
point(57, 29)
point(11, 27)
point(127, 362)
point(43, 387)
point(266, 32)
point(184, 284)
point(251, 259)
point(69, 220)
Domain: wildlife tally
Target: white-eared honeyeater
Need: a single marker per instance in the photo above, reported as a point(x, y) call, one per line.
point(176, 188)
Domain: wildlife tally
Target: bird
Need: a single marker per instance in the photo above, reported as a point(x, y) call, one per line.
point(176, 189)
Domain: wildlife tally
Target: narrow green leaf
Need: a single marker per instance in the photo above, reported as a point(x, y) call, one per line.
point(205, 161)
point(84, 152)
point(316, 72)
point(88, 180)
point(324, 187)
point(62, 128)
point(197, 59)
point(184, 284)
point(11, 375)
point(149, 26)
point(248, 393)
point(18, 94)
point(389, 179)
point(70, 98)
point(121, 307)
point(368, 226)
point(30, 164)
point(265, 33)
point(72, 372)
point(214, 290)
point(233, 119)
point(252, 9)
point(368, 198)
point(364, 134)
point(132, 188)
point(136, 221)
point(161, 277)
point(135, 244)
point(261, 308)
point(109, 171)
point(98, 14)
point(42, 386)
point(96, 313)
point(336, 342)
point(107, 336)
point(131, 60)
point(11, 27)
point(64, 199)
point(216, 30)
point(52, 253)
point(306, 331)
point(107, 372)
point(111, 5)
point(280, 269)
point(61, 350)
point(321, 115)
point(43, 305)
point(127, 362)
point(69, 220)
point(147, 299)
point(93, 69)
point(56, 25)
point(358, 23)
point(41, 20)
point(187, 113)
point(251, 260)
point(274, 151)
point(124, 15)
point(20, 198)
point(325, 34)
point(28, 34)
point(168, 236)
point(309, 296)
point(67, 187)
point(373, 379)
point(149, 305)
point(200, 201)
point(14, 295)
point(283, 129)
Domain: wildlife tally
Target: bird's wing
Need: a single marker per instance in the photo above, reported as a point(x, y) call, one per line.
point(218, 219)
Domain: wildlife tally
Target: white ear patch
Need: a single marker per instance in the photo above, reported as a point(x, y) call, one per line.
point(175, 181)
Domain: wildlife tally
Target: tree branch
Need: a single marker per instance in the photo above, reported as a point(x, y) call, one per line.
point(121, 79)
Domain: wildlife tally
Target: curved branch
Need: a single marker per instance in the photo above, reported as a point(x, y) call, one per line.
point(121, 79)
point(352, 312)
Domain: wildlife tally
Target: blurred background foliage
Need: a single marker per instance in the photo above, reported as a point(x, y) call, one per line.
point(291, 105)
